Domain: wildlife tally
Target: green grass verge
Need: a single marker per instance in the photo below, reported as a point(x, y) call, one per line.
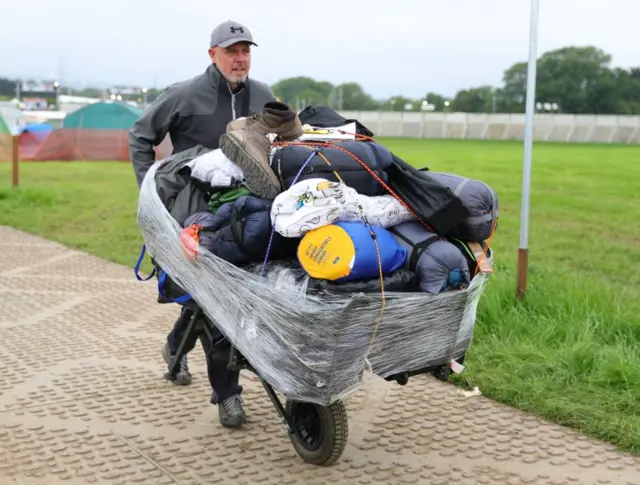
point(570, 352)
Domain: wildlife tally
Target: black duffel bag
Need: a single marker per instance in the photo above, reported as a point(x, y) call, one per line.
point(288, 160)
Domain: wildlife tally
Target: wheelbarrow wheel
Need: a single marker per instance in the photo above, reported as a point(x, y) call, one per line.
point(319, 433)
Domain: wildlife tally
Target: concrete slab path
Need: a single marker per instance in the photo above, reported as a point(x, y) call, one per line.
point(82, 400)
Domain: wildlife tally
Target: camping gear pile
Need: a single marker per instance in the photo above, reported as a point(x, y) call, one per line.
point(354, 261)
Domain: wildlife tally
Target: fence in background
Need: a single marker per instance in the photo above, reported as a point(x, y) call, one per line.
point(5, 147)
point(112, 144)
point(90, 145)
point(75, 145)
point(480, 126)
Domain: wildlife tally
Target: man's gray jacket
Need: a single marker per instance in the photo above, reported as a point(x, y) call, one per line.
point(193, 112)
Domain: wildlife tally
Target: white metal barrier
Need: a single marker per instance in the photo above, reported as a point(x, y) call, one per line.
point(495, 126)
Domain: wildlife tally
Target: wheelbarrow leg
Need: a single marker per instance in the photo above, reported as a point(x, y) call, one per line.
point(287, 422)
point(175, 362)
point(238, 362)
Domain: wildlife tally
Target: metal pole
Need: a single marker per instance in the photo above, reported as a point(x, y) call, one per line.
point(523, 251)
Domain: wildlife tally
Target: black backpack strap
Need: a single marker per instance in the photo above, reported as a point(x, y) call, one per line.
point(417, 248)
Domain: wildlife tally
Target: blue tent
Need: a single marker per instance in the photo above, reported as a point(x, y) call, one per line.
point(39, 131)
point(37, 128)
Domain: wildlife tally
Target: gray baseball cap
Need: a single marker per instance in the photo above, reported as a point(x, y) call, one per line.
point(230, 32)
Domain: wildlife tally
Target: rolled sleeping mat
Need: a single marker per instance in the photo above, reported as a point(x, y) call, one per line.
point(346, 251)
point(438, 265)
point(479, 199)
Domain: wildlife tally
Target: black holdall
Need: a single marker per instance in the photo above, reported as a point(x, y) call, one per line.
point(325, 117)
point(432, 202)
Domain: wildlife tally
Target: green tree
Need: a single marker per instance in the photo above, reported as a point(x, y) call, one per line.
point(398, 103)
point(351, 96)
point(436, 100)
point(475, 100)
point(302, 89)
point(7, 87)
point(574, 77)
point(92, 93)
point(515, 88)
point(627, 91)
point(578, 79)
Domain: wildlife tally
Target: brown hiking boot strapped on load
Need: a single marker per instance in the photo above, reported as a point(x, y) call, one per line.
point(276, 117)
point(250, 151)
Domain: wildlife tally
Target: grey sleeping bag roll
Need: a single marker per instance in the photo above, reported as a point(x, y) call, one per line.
point(479, 199)
point(438, 265)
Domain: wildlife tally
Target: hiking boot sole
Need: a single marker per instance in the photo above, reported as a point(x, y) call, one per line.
point(235, 422)
point(179, 379)
point(260, 179)
point(265, 130)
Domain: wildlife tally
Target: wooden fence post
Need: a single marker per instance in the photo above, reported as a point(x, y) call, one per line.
point(15, 161)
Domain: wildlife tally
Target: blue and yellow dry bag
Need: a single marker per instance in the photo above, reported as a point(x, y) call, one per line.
point(346, 251)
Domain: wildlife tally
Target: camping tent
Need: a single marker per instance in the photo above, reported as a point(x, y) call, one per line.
point(102, 116)
point(32, 137)
point(97, 131)
point(5, 141)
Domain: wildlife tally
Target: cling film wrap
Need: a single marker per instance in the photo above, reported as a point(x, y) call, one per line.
point(309, 346)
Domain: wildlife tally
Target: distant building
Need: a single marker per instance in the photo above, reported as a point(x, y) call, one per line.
point(32, 86)
point(126, 90)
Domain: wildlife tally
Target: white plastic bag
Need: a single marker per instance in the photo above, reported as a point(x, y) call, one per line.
point(214, 167)
point(317, 202)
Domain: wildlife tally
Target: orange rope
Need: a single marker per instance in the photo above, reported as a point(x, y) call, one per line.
point(383, 296)
point(326, 144)
point(359, 137)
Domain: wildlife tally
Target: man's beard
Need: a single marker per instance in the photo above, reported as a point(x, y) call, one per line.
point(235, 78)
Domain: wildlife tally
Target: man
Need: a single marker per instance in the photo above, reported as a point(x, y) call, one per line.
point(197, 112)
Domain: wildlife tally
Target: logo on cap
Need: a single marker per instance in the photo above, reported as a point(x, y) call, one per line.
point(236, 29)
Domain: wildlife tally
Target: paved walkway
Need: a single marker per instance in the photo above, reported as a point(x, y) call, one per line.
point(82, 400)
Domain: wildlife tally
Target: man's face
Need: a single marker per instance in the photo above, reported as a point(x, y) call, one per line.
point(233, 62)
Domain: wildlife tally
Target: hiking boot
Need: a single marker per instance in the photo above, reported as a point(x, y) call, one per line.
point(250, 151)
point(231, 412)
point(276, 117)
point(183, 376)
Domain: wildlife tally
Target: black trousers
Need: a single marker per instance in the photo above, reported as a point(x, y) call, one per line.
point(225, 383)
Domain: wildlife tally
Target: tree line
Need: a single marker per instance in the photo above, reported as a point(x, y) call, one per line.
point(572, 79)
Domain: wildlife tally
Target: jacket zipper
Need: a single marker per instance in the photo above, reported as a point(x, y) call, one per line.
point(233, 101)
point(233, 106)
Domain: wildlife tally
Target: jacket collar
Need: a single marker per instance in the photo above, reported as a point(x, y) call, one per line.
point(218, 81)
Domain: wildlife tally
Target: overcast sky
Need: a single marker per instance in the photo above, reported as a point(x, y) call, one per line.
point(390, 47)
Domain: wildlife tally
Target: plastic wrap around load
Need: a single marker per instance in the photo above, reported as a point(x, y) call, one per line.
point(308, 347)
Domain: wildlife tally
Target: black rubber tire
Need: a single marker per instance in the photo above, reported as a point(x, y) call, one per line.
point(330, 423)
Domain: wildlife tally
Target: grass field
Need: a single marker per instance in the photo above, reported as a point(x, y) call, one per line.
point(570, 352)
